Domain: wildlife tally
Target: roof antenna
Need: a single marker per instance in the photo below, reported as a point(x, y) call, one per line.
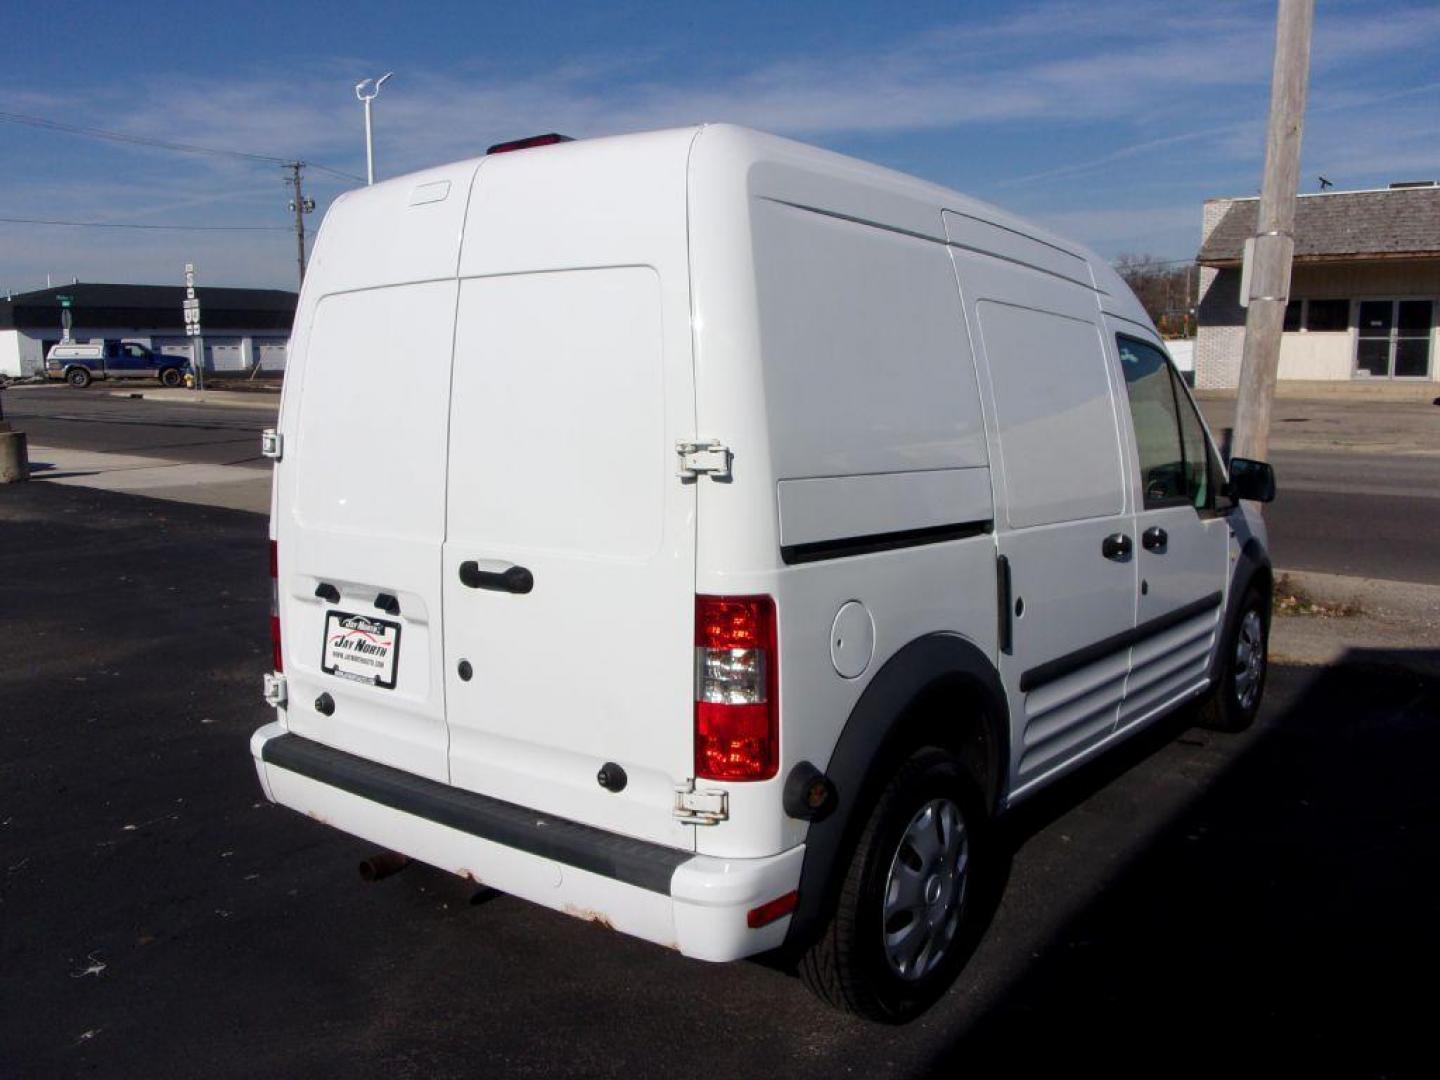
point(1324, 183)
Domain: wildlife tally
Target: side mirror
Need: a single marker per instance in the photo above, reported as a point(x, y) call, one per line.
point(1254, 480)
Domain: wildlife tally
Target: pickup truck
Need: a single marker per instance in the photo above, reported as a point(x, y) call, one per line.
point(81, 363)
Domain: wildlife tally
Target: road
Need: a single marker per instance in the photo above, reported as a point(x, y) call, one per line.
point(95, 420)
point(1368, 515)
point(1343, 511)
point(1197, 899)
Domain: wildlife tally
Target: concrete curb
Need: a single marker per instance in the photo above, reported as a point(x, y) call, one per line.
point(1314, 390)
point(239, 400)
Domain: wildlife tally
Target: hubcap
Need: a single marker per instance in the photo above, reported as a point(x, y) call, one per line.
point(925, 892)
point(1249, 659)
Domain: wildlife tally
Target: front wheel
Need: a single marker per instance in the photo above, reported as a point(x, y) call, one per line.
point(907, 915)
point(78, 377)
point(170, 377)
point(1235, 700)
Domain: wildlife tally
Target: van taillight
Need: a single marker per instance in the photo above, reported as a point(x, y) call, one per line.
point(737, 724)
point(275, 656)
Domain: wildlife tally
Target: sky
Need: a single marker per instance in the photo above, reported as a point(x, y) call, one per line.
point(1108, 121)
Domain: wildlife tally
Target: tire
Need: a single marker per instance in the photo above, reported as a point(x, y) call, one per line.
point(1235, 701)
point(858, 963)
point(170, 376)
point(78, 377)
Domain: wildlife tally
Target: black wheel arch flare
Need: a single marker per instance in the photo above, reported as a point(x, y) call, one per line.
point(891, 714)
point(1251, 567)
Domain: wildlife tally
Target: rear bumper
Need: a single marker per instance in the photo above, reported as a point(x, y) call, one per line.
point(694, 903)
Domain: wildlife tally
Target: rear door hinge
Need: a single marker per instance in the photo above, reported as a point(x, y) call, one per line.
point(703, 457)
point(700, 807)
point(272, 444)
point(275, 690)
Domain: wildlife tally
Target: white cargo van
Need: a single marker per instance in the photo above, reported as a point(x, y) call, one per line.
point(708, 535)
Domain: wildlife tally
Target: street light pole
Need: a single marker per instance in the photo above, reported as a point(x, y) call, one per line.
point(365, 99)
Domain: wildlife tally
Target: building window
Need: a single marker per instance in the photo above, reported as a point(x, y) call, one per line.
point(1292, 315)
point(1327, 315)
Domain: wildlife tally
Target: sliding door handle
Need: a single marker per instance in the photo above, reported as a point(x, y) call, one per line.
point(1154, 538)
point(512, 579)
point(1116, 546)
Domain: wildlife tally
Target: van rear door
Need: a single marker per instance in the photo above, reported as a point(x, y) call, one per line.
point(360, 515)
point(569, 557)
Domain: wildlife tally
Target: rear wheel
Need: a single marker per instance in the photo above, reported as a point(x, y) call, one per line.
point(78, 377)
point(1235, 700)
point(170, 376)
point(907, 914)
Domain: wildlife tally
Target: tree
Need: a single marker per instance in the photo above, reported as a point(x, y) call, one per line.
point(1165, 288)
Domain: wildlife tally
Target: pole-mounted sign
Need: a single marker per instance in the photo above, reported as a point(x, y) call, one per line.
point(67, 317)
point(192, 325)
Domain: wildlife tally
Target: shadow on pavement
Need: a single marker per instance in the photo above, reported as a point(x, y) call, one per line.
point(1289, 915)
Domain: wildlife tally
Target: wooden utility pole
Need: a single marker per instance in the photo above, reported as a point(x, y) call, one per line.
point(300, 207)
point(1274, 243)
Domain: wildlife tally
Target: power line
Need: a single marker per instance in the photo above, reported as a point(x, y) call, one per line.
point(131, 225)
point(159, 144)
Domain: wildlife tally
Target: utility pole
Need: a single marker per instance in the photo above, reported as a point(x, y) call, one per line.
point(1270, 252)
point(300, 206)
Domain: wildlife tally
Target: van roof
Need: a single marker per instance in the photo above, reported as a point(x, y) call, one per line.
point(890, 198)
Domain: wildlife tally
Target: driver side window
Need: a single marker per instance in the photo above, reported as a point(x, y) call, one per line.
point(1157, 426)
point(1175, 465)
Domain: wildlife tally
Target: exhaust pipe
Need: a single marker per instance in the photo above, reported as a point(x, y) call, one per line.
point(382, 864)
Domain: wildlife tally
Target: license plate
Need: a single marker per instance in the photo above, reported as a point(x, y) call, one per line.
point(360, 649)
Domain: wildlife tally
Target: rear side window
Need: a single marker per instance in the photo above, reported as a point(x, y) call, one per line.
point(1175, 466)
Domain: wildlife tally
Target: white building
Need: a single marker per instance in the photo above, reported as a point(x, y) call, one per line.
point(243, 327)
point(1363, 291)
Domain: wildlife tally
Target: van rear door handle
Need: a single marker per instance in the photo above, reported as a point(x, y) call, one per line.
point(513, 579)
point(1154, 538)
point(1116, 546)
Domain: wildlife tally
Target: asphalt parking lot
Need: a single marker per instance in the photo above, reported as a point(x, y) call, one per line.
point(1193, 902)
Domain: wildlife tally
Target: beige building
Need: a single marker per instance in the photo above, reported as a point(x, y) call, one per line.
point(1364, 289)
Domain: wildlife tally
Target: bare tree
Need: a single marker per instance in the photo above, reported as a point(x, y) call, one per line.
point(1166, 289)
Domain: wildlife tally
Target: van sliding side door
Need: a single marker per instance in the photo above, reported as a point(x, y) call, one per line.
point(1064, 520)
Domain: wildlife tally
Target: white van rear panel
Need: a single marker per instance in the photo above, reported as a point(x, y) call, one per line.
point(503, 386)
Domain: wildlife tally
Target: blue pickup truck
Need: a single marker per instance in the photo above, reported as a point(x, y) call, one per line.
point(80, 363)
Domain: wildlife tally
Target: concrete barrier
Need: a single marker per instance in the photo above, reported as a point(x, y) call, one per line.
point(14, 460)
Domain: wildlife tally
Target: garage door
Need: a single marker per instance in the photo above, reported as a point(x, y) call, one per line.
point(224, 354)
point(270, 354)
point(174, 346)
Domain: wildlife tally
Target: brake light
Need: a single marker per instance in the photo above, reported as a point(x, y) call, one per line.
point(737, 729)
point(275, 655)
point(525, 144)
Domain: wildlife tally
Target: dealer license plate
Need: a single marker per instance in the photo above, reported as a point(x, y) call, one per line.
point(361, 649)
